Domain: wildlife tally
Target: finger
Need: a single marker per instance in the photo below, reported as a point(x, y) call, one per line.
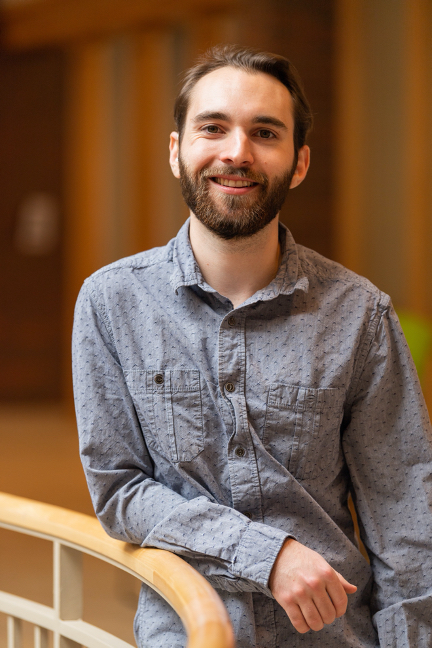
point(297, 619)
point(311, 615)
point(338, 597)
point(325, 607)
point(348, 587)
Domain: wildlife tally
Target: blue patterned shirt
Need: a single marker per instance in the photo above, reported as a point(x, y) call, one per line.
point(216, 433)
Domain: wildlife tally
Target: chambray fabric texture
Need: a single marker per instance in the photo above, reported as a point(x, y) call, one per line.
point(216, 433)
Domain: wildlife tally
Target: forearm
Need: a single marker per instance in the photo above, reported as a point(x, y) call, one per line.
point(232, 552)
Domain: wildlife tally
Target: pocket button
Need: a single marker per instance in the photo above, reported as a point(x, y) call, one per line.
point(159, 379)
point(240, 452)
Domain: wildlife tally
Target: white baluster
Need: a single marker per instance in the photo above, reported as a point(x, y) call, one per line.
point(14, 632)
point(40, 637)
point(68, 600)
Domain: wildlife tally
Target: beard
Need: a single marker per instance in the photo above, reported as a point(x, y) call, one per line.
point(230, 216)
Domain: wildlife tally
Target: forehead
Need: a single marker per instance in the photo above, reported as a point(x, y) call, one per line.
point(230, 89)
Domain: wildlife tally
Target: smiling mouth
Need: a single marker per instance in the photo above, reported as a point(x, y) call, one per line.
point(234, 183)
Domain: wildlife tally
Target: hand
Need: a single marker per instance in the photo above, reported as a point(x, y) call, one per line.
point(310, 591)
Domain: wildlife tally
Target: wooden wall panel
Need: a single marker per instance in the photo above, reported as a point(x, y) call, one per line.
point(31, 160)
point(384, 134)
point(417, 227)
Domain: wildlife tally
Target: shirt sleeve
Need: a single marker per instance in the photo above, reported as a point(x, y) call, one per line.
point(232, 552)
point(388, 449)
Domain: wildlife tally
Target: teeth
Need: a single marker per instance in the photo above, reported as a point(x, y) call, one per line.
point(234, 183)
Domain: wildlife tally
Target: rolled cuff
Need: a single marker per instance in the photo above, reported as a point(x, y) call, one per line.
point(256, 554)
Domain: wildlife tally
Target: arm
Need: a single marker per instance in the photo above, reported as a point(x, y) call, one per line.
point(387, 445)
point(230, 550)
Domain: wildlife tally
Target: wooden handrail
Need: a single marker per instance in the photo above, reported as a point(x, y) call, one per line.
point(201, 610)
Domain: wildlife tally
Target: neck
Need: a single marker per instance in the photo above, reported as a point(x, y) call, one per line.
point(236, 268)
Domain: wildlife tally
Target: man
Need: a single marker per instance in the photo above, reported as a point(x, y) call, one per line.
point(232, 388)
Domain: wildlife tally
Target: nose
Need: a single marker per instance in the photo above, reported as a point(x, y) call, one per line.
point(237, 150)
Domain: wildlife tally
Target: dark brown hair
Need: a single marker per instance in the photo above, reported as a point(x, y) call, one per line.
point(250, 60)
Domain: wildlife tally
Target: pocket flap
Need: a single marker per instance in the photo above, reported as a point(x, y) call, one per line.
point(153, 381)
point(303, 398)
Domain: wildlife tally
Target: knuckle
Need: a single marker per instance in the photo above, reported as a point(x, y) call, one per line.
point(314, 583)
point(341, 609)
point(329, 618)
point(300, 625)
point(298, 622)
point(341, 601)
point(289, 600)
point(328, 573)
point(298, 592)
point(317, 626)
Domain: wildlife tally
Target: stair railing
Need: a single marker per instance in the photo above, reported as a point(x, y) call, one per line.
point(72, 534)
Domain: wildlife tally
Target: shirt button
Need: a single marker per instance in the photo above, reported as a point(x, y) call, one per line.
point(231, 321)
point(159, 379)
point(248, 514)
point(240, 452)
point(229, 387)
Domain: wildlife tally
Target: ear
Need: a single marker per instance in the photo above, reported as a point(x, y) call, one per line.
point(302, 166)
point(174, 153)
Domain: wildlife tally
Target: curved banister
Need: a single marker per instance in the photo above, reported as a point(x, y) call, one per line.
point(201, 610)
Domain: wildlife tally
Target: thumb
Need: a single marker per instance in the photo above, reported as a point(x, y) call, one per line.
point(348, 587)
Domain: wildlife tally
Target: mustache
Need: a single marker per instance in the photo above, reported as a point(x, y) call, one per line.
point(247, 174)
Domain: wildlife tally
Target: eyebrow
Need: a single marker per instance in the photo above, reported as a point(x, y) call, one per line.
point(209, 114)
point(270, 121)
point(259, 119)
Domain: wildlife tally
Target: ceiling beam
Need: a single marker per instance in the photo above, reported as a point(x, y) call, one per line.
point(61, 22)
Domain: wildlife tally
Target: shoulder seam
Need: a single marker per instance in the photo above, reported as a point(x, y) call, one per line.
point(382, 308)
point(346, 276)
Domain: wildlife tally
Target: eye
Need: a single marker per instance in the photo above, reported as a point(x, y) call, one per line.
point(265, 133)
point(212, 129)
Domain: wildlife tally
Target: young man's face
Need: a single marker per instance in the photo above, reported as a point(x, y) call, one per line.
point(236, 160)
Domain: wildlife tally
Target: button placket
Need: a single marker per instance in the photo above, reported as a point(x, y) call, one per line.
point(245, 489)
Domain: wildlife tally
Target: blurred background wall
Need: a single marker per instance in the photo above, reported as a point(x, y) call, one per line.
point(86, 95)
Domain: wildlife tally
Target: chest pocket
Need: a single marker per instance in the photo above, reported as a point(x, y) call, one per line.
point(302, 429)
point(169, 404)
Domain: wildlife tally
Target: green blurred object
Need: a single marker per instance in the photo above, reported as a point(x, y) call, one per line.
point(418, 333)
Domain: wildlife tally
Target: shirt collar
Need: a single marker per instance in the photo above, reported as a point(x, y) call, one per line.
point(290, 276)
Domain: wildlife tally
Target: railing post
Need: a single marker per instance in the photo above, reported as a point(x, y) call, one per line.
point(40, 637)
point(68, 600)
point(14, 632)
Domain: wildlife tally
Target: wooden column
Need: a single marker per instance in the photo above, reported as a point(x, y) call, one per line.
point(384, 107)
point(350, 130)
point(91, 240)
point(418, 154)
point(157, 210)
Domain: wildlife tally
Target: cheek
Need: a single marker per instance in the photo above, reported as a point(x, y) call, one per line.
point(200, 159)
